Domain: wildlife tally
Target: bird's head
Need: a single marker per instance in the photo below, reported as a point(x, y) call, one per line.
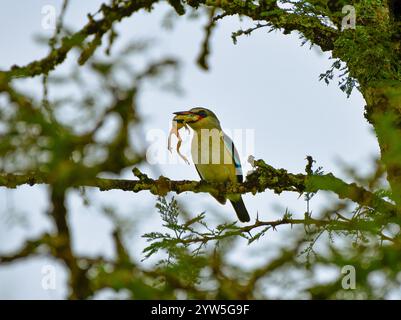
point(198, 118)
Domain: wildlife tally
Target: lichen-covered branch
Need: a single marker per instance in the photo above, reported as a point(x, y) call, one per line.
point(262, 178)
point(307, 20)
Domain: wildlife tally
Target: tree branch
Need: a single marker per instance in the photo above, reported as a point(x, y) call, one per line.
point(116, 12)
point(308, 22)
point(309, 25)
point(30, 248)
point(263, 177)
point(330, 224)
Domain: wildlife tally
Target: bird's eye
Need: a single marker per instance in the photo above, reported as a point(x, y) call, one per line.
point(202, 113)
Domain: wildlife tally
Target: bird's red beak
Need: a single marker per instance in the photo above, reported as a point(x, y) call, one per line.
point(186, 117)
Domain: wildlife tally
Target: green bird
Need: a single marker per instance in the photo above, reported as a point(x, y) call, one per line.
point(214, 154)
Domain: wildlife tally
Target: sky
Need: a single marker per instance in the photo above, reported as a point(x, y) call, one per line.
point(266, 83)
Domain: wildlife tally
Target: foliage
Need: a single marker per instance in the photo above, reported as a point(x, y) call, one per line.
point(360, 228)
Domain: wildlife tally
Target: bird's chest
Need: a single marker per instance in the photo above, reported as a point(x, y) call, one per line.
point(211, 157)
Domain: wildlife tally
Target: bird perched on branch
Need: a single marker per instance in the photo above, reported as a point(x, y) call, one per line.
point(214, 154)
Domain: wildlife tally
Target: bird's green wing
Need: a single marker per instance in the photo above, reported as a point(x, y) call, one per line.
point(229, 144)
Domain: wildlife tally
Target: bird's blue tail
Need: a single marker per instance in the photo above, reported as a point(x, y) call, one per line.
point(240, 209)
